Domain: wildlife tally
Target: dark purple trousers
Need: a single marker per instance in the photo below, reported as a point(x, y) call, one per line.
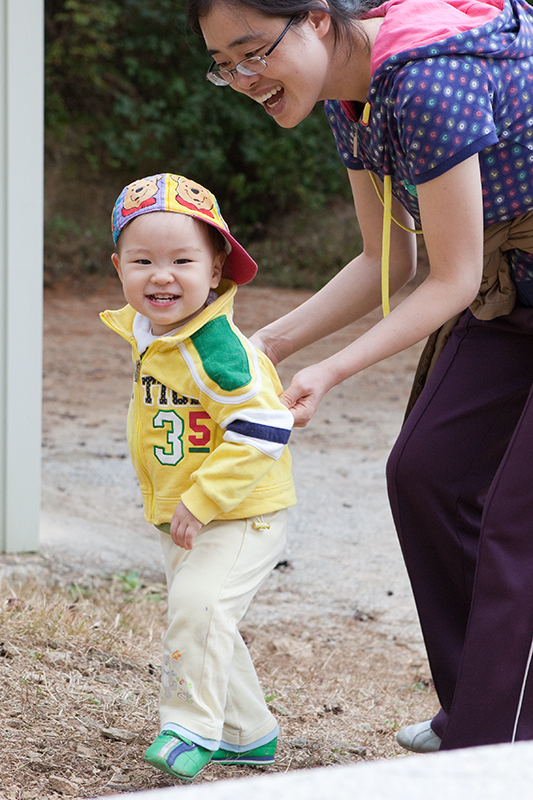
point(461, 489)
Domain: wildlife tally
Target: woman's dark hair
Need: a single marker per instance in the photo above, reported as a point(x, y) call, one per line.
point(344, 13)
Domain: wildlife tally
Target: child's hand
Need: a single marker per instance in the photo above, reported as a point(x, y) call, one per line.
point(183, 527)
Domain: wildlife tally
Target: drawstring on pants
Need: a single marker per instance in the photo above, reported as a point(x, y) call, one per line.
point(260, 524)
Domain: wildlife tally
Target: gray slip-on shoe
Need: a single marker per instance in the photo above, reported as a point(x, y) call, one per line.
point(419, 738)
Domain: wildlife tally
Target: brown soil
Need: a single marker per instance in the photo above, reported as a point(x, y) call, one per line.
point(79, 662)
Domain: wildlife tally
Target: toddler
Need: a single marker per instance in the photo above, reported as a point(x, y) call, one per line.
point(207, 435)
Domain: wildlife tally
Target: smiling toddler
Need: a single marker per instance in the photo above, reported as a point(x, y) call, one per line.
point(207, 435)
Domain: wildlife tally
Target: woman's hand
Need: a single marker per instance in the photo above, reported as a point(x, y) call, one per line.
point(260, 340)
point(307, 389)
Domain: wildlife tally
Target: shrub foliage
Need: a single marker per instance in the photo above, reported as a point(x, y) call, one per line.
point(126, 92)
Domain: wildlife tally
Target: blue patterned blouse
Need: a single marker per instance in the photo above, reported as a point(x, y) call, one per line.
point(435, 106)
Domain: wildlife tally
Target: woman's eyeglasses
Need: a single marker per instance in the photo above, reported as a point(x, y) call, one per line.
point(248, 66)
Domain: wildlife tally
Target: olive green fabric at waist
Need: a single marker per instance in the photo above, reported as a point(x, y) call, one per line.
point(497, 293)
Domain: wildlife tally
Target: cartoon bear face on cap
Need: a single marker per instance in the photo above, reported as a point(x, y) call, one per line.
point(140, 193)
point(194, 195)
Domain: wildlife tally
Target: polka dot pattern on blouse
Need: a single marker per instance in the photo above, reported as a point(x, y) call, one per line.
point(435, 106)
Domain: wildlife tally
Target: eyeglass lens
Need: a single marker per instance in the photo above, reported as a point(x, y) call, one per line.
point(248, 66)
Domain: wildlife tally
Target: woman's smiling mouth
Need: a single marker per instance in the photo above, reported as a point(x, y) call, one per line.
point(273, 95)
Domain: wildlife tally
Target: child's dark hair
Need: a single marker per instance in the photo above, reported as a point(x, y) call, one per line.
point(344, 13)
point(217, 240)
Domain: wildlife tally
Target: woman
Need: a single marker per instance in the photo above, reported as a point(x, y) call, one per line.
point(434, 97)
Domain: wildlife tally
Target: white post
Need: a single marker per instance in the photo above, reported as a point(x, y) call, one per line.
point(21, 262)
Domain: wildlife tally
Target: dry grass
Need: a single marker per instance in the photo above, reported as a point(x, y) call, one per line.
point(79, 685)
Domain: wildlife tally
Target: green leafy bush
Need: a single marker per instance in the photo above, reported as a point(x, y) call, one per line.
point(126, 94)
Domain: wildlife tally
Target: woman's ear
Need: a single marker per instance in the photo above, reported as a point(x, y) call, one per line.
point(320, 21)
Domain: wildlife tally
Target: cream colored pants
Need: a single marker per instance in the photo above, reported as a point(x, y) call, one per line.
point(209, 689)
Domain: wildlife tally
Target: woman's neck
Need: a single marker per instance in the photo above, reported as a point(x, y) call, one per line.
point(350, 75)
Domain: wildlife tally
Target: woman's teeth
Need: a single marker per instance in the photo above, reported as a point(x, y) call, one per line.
point(263, 98)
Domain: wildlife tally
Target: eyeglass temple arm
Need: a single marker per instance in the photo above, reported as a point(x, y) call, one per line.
point(280, 37)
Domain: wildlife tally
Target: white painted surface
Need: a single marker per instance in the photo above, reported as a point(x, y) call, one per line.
point(481, 773)
point(21, 225)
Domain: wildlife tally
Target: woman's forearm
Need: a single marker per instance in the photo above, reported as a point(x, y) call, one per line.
point(352, 293)
point(429, 306)
point(425, 310)
point(356, 290)
point(452, 220)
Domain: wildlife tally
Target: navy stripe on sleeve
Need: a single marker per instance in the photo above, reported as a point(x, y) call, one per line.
point(255, 431)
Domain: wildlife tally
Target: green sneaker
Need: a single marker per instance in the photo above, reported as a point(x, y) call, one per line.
point(177, 756)
point(259, 755)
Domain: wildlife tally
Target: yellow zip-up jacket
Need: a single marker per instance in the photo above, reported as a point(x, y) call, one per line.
point(205, 424)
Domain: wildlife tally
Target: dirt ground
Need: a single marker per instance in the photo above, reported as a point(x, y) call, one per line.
point(333, 631)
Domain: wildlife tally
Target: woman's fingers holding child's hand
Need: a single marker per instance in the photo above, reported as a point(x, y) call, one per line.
point(304, 395)
point(183, 527)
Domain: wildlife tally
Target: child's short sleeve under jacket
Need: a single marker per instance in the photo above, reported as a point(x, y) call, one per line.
point(433, 106)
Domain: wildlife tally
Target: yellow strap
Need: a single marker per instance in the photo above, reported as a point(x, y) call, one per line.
point(388, 219)
point(385, 246)
point(393, 218)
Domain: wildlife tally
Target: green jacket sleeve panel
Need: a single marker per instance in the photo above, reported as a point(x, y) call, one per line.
point(256, 428)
